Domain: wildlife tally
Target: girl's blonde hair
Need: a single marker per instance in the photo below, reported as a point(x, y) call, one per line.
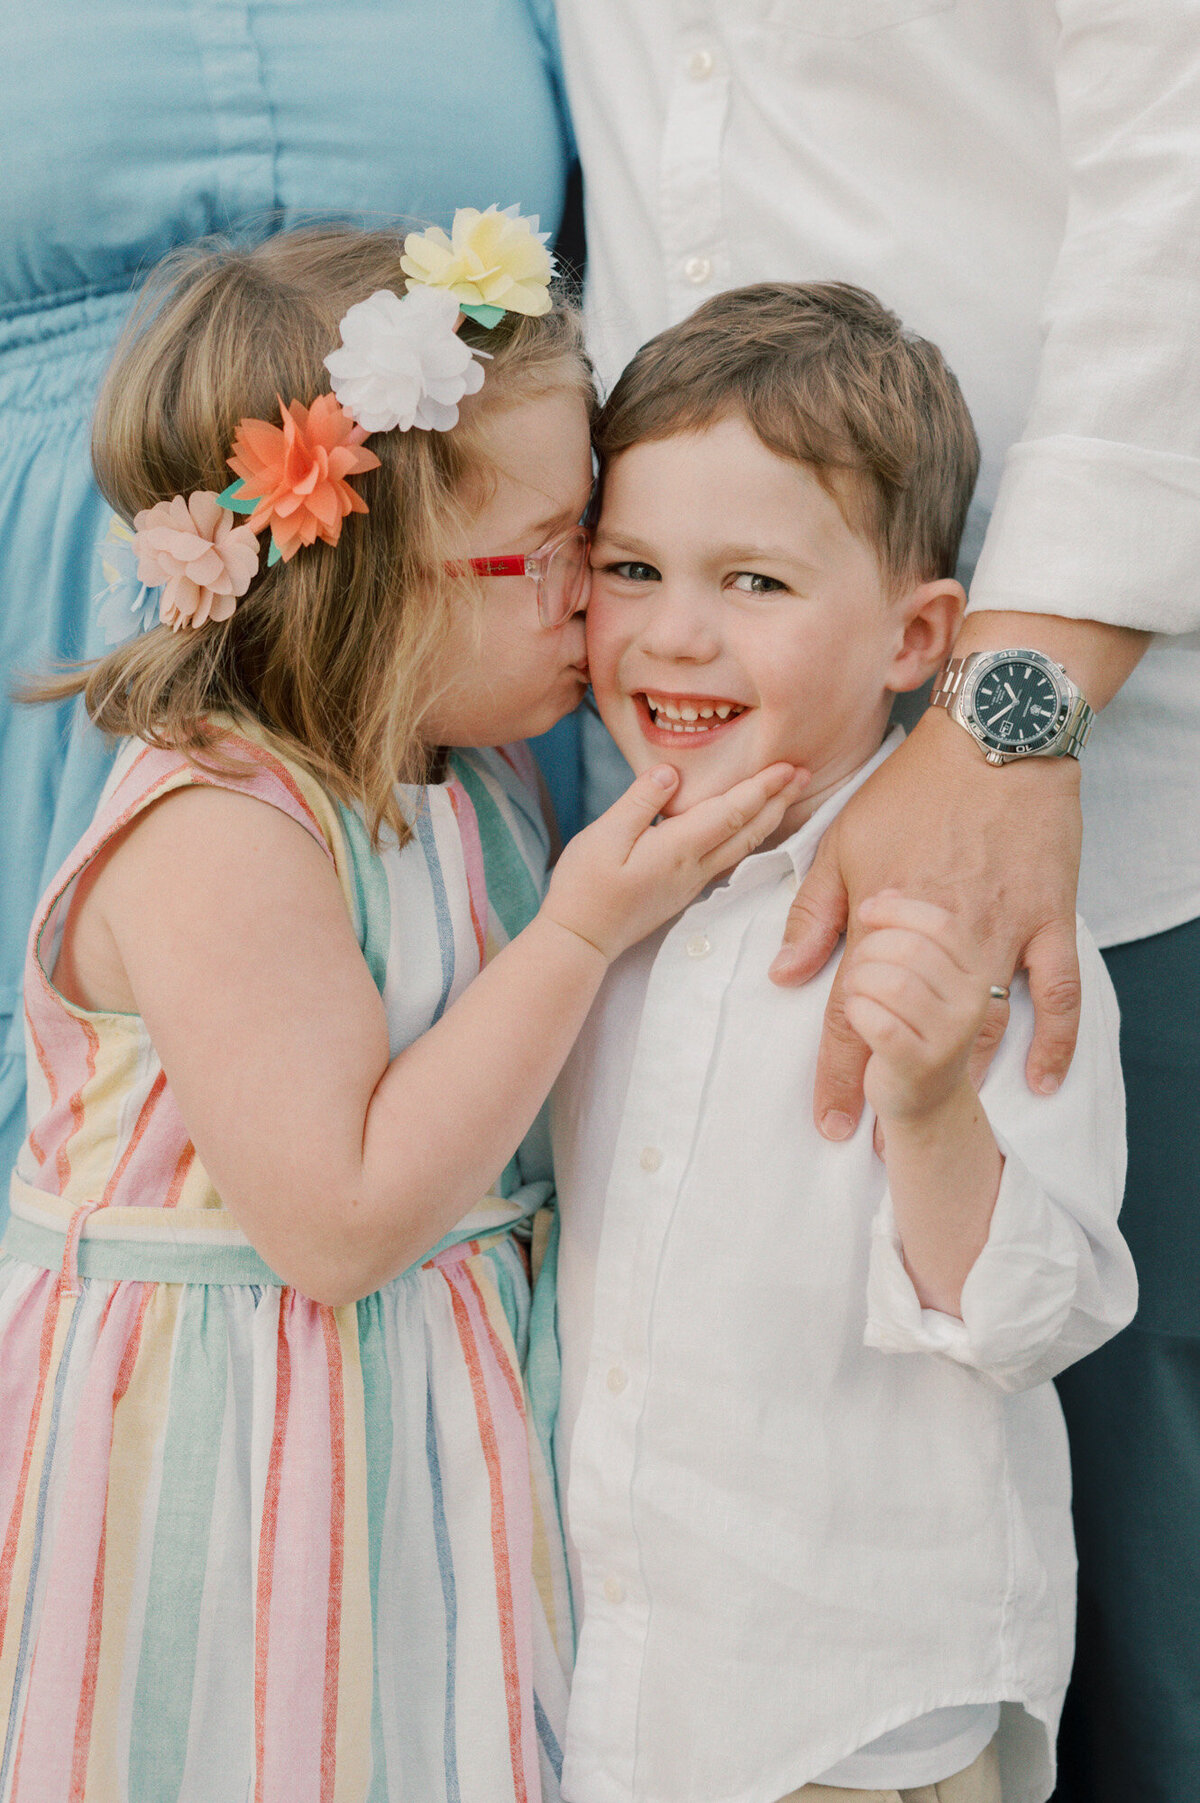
point(331, 651)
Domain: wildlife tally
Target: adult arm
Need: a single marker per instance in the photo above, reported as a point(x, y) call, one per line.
point(997, 844)
point(1094, 542)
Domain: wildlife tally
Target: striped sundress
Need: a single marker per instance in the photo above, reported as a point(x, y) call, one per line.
point(254, 1549)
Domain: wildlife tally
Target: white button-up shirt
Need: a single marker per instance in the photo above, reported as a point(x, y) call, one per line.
point(804, 1511)
point(1020, 180)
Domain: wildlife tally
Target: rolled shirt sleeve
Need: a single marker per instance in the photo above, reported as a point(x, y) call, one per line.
point(1098, 512)
point(1055, 1279)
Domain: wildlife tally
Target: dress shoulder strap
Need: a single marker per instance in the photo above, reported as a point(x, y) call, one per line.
point(142, 775)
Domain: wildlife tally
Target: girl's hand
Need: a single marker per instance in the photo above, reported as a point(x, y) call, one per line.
point(916, 993)
point(627, 873)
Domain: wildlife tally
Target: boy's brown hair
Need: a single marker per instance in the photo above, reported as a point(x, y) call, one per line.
point(824, 375)
point(330, 652)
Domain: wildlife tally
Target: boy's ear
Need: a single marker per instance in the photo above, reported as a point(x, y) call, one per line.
point(931, 614)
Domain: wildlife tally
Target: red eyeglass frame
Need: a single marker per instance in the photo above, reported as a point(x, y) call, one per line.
point(533, 564)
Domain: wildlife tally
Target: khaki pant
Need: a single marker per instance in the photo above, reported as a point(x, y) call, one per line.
point(979, 1783)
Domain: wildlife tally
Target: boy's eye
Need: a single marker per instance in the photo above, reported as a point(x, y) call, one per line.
point(632, 571)
point(750, 582)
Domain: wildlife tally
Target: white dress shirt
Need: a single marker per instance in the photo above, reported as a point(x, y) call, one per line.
point(1020, 180)
point(803, 1511)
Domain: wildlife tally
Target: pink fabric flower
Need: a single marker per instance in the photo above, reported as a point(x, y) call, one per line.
point(200, 558)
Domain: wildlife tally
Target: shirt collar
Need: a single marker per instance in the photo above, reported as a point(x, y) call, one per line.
point(801, 848)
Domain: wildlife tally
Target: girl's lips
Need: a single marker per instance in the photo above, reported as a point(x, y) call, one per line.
point(680, 734)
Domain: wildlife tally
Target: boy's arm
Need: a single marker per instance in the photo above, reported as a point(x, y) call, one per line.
point(998, 1250)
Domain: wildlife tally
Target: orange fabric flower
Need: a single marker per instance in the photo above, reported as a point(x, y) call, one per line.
point(298, 474)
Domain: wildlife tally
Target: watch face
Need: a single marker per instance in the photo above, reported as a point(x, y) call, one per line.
point(1017, 705)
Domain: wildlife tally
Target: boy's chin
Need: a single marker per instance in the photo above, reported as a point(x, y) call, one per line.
point(692, 788)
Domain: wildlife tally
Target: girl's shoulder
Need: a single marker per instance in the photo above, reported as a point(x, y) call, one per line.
point(242, 759)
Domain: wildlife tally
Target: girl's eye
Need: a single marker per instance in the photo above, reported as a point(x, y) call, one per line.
point(751, 583)
point(632, 572)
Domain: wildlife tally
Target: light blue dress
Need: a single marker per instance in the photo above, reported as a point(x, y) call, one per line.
point(132, 126)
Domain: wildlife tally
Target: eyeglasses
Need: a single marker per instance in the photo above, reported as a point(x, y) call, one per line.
point(560, 568)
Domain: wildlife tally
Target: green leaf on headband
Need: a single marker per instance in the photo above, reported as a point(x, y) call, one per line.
point(232, 498)
point(273, 555)
point(483, 316)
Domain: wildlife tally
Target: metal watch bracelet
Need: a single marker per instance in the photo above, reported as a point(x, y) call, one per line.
point(1072, 736)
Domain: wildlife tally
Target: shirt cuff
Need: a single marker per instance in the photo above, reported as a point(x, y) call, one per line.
point(1094, 530)
point(1017, 1297)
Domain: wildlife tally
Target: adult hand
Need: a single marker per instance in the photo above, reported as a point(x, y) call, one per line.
point(999, 846)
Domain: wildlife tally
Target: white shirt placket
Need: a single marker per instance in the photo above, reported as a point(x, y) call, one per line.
point(675, 1049)
point(693, 245)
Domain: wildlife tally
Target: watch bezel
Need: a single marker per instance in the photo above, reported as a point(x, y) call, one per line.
point(1006, 748)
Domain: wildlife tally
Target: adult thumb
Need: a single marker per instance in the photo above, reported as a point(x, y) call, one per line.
point(816, 920)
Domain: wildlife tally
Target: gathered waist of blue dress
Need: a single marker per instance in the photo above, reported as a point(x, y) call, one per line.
point(35, 316)
point(47, 352)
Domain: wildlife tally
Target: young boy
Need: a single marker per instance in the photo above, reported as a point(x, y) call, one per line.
point(815, 1473)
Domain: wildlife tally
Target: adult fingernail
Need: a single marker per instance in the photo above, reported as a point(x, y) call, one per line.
point(664, 776)
point(1049, 1084)
point(836, 1125)
point(784, 963)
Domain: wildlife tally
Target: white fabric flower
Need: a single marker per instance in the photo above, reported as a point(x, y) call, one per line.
point(402, 364)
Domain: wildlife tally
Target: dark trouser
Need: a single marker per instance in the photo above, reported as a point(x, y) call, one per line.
point(1131, 1729)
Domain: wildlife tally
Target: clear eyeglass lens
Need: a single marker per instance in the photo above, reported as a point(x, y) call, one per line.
point(563, 579)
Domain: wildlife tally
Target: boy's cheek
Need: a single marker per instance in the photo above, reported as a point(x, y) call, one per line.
point(597, 624)
point(617, 713)
point(603, 652)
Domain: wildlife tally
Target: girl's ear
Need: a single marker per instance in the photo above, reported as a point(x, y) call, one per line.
point(931, 615)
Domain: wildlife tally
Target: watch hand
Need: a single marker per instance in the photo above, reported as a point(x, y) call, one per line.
point(1008, 690)
point(1000, 712)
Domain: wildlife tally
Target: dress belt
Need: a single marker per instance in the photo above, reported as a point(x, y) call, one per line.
point(165, 1245)
point(148, 1245)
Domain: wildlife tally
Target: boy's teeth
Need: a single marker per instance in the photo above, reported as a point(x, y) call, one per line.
point(685, 716)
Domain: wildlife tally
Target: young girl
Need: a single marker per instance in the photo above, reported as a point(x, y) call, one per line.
point(275, 1519)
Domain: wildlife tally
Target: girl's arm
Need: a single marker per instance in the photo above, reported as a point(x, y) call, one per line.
point(222, 923)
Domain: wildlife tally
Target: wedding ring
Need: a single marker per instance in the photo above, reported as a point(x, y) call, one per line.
point(999, 992)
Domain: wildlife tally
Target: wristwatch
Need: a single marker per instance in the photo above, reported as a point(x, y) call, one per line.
point(1016, 704)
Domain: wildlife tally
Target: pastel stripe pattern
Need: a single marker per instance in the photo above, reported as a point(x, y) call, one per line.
point(252, 1547)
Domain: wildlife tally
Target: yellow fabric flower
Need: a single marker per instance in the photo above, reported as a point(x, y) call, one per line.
point(492, 259)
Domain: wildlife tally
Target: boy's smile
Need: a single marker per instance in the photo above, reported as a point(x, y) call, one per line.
point(737, 619)
point(697, 717)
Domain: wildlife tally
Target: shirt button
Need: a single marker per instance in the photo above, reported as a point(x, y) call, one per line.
point(700, 65)
point(614, 1590)
point(698, 946)
point(651, 1158)
point(617, 1379)
point(697, 270)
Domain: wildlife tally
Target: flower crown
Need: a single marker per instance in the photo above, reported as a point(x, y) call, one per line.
point(400, 365)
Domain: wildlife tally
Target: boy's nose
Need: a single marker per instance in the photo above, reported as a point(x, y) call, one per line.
point(679, 624)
